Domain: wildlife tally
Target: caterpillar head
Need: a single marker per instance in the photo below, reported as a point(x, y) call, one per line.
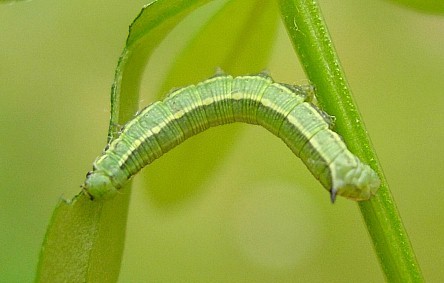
point(98, 186)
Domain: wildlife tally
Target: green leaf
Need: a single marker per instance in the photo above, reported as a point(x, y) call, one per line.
point(84, 240)
point(241, 45)
point(309, 35)
point(149, 28)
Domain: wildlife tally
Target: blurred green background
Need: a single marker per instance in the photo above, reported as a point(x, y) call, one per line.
point(262, 217)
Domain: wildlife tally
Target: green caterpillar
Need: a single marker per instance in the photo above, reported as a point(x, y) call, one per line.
point(284, 110)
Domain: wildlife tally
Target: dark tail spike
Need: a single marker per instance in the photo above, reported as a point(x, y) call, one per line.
point(332, 195)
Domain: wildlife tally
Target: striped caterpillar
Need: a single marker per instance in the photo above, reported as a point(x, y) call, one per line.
point(284, 110)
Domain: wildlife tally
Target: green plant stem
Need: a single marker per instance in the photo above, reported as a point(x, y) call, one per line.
point(309, 35)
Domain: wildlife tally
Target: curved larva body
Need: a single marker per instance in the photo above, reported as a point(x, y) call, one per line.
point(282, 109)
